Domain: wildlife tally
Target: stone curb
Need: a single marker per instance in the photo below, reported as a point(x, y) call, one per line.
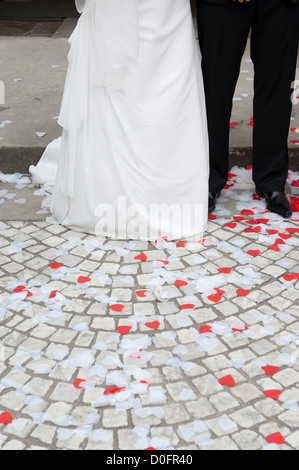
point(18, 159)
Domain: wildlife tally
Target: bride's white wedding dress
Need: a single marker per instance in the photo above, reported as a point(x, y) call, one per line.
point(132, 162)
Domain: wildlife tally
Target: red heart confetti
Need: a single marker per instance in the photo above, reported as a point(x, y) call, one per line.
point(219, 291)
point(19, 289)
point(123, 330)
point(254, 252)
point(164, 261)
point(243, 292)
point(240, 328)
point(215, 298)
point(53, 294)
point(231, 225)
point(253, 229)
point(5, 418)
point(285, 236)
point(247, 212)
point(112, 390)
point(142, 293)
point(224, 270)
point(83, 279)
point(262, 221)
point(205, 329)
point(154, 325)
point(180, 283)
point(144, 382)
point(78, 382)
point(116, 307)
point(274, 394)
point(163, 238)
point(187, 306)
point(252, 222)
point(294, 201)
point(201, 241)
point(227, 380)
point(275, 438)
point(288, 277)
point(182, 243)
point(55, 265)
point(274, 247)
point(270, 370)
point(141, 257)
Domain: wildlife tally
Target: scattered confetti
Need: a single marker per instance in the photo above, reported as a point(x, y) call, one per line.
point(151, 345)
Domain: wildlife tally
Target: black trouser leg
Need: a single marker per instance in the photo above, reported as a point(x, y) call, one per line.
point(274, 47)
point(223, 33)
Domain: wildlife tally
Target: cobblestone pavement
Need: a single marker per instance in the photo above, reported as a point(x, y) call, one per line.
point(134, 345)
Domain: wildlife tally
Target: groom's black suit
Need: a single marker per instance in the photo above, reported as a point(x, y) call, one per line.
point(223, 27)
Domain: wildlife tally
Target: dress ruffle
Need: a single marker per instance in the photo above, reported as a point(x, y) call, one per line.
point(104, 49)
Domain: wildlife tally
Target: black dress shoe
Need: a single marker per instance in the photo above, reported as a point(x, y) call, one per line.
point(277, 202)
point(212, 201)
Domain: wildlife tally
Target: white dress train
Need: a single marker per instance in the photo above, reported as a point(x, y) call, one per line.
point(132, 161)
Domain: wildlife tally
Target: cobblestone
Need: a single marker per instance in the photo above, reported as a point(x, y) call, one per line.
point(97, 366)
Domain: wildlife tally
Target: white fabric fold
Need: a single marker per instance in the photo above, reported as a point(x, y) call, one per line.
point(104, 49)
point(80, 4)
point(117, 36)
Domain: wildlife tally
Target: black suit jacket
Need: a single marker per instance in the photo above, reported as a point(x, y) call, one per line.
point(230, 2)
